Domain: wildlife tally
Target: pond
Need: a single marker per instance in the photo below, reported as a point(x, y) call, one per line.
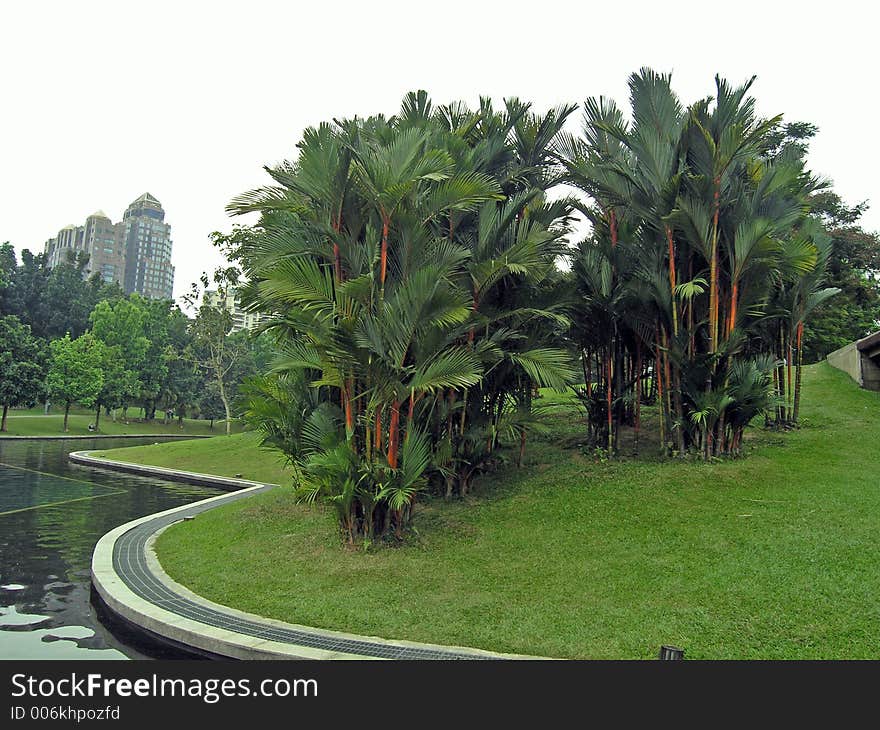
point(52, 513)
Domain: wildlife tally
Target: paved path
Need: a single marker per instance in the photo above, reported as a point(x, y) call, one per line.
point(129, 578)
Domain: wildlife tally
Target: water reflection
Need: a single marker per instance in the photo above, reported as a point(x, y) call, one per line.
point(52, 513)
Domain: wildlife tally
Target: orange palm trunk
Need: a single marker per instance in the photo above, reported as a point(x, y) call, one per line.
point(378, 430)
point(713, 269)
point(658, 382)
point(349, 415)
point(734, 299)
point(608, 400)
point(672, 279)
point(383, 264)
point(394, 434)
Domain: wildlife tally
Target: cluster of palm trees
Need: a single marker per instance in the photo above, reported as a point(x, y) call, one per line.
point(702, 266)
point(408, 267)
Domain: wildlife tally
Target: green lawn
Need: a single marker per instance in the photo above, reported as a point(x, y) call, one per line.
point(34, 423)
point(236, 455)
point(773, 556)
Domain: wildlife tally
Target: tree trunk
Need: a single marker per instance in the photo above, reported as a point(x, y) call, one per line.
point(225, 399)
point(394, 434)
point(346, 402)
point(790, 388)
point(672, 280)
point(228, 416)
point(3, 422)
point(522, 448)
point(638, 405)
point(783, 395)
point(379, 430)
point(713, 269)
point(734, 298)
point(97, 417)
point(671, 397)
point(608, 375)
point(66, 413)
point(383, 264)
point(658, 384)
point(692, 339)
point(797, 379)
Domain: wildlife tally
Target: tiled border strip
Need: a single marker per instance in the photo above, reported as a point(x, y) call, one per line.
point(128, 577)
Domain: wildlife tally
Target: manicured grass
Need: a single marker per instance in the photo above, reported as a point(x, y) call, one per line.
point(236, 455)
point(770, 556)
point(34, 423)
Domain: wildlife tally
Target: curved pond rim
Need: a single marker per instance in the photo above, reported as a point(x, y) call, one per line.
point(131, 584)
point(92, 437)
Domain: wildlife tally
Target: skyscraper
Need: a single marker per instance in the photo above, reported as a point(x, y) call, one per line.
point(148, 269)
point(135, 253)
point(241, 318)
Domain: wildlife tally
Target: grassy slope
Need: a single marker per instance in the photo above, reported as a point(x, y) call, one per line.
point(34, 423)
point(228, 456)
point(773, 556)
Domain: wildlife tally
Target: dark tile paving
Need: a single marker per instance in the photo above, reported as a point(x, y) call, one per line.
point(130, 562)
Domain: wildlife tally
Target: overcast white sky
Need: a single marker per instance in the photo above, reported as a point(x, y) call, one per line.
point(102, 101)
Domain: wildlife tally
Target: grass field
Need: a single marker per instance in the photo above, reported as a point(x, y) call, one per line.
point(34, 422)
point(236, 455)
point(776, 555)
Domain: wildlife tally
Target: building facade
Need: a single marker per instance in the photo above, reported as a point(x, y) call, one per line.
point(135, 253)
point(241, 319)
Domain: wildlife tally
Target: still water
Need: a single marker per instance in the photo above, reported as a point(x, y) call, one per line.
point(52, 513)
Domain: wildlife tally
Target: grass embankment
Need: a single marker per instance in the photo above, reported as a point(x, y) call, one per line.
point(770, 556)
point(237, 455)
point(34, 422)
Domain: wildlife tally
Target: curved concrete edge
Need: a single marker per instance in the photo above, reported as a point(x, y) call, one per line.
point(159, 572)
point(175, 475)
point(107, 436)
point(121, 600)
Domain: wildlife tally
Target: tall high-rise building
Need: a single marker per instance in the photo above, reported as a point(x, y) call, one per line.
point(135, 253)
point(241, 318)
point(148, 268)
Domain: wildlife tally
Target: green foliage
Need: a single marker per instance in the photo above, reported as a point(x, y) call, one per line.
point(406, 267)
point(76, 371)
point(22, 365)
point(580, 557)
point(120, 326)
point(703, 266)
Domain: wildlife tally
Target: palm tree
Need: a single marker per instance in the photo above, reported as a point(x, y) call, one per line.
point(439, 254)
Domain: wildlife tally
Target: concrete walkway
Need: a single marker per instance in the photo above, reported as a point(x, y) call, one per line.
point(87, 437)
point(128, 577)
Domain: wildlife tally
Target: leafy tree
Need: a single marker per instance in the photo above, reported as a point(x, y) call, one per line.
point(22, 366)
point(210, 405)
point(181, 389)
point(8, 266)
point(69, 300)
point(76, 371)
point(28, 295)
point(118, 381)
point(853, 267)
point(213, 350)
point(121, 326)
point(153, 372)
